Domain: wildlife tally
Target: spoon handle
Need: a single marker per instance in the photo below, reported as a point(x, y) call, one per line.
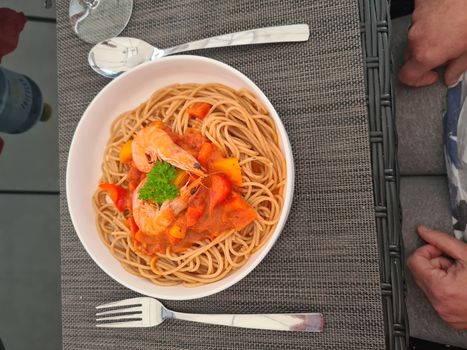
point(278, 34)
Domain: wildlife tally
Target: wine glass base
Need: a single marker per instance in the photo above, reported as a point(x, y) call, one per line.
point(96, 20)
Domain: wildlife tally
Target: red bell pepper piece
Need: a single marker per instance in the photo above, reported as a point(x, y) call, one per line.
point(220, 189)
point(116, 193)
point(193, 214)
point(204, 153)
point(199, 110)
point(238, 212)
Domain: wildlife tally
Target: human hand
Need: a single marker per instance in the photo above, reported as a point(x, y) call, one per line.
point(444, 281)
point(437, 36)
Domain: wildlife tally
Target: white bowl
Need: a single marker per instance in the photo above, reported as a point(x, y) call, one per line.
point(93, 131)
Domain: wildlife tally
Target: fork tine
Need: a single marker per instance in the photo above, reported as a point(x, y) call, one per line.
point(121, 324)
point(121, 311)
point(121, 317)
point(124, 302)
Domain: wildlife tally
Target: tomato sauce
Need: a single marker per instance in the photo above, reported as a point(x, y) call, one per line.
point(207, 215)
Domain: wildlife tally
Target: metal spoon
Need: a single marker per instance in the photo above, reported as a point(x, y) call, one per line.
point(113, 57)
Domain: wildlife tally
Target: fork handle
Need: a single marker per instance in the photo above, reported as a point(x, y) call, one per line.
point(299, 322)
point(287, 33)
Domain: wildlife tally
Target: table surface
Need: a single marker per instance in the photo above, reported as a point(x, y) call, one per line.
point(326, 259)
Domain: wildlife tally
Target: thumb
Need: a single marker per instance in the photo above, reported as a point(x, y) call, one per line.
point(444, 242)
point(422, 264)
point(454, 69)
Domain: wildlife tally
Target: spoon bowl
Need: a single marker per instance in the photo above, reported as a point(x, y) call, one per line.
point(115, 56)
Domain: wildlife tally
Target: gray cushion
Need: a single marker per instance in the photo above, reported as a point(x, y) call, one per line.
point(418, 116)
point(425, 200)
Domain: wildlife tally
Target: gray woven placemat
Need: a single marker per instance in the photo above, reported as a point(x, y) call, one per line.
point(326, 258)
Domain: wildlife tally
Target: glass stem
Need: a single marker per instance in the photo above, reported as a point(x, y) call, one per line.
point(91, 3)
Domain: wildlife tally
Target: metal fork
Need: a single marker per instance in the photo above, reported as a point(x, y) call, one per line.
point(149, 312)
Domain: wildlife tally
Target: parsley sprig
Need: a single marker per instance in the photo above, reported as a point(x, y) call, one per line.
point(159, 187)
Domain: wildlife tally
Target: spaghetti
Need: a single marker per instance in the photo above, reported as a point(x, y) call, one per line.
point(240, 127)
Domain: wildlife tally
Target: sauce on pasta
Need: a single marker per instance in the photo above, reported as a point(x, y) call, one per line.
point(227, 187)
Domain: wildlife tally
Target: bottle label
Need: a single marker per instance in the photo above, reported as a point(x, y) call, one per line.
point(18, 101)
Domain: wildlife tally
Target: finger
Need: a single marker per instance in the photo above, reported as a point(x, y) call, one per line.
point(441, 263)
point(459, 326)
point(454, 69)
point(421, 269)
point(428, 252)
point(408, 48)
point(424, 271)
point(414, 74)
point(407, 54)
point(420, 262)
point(444, 242)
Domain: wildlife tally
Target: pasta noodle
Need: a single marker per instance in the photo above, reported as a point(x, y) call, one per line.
point(239, 125)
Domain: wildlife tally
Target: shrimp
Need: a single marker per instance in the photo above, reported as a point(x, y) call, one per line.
point(154, 142)
point(154, 220)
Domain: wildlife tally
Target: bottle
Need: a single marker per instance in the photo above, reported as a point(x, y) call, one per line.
point(21, 104)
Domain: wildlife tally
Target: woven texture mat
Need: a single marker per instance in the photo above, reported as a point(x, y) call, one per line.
point(326, 259)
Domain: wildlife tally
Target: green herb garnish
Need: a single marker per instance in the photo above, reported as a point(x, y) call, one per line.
point(159, 187)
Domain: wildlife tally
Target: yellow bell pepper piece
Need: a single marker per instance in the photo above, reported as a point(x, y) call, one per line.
point(177, 232)
point(126, 153)
point(230, 168)
point(181, 179)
